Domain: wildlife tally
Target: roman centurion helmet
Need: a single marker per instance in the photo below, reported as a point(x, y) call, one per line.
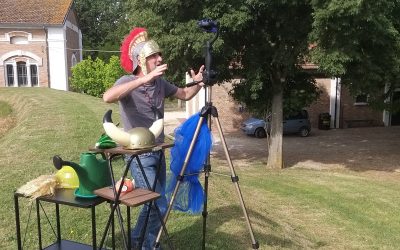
point(137, 46)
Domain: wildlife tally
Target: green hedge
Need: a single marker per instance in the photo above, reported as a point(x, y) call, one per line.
point(93, 77)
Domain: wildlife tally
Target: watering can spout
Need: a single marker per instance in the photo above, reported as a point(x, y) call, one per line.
point(58, 163)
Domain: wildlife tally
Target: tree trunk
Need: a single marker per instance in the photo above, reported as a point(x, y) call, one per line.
point(275, 147)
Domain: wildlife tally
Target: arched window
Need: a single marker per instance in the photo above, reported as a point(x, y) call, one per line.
point(22, 72)
point(19, 40)
point(73, 60)
point(18, 37)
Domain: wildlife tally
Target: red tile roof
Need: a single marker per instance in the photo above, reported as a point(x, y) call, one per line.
point(34, 12)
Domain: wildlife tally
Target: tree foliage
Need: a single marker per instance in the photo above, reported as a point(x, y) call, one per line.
point(264, 43)
point(102, 25)
point(359, 42)
point(93, 77)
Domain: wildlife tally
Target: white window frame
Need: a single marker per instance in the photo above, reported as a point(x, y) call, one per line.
point(6, 74)
point(37, 74)
point(28, 63)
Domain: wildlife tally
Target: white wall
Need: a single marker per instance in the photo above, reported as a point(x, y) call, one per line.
point(57, 58)
point(335, 102)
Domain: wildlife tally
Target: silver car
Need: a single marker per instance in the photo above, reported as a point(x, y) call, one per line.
point(296, 123)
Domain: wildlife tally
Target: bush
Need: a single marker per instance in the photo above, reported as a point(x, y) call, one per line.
point(94, 77)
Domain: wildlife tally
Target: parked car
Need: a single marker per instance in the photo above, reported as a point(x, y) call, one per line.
point(297, 122)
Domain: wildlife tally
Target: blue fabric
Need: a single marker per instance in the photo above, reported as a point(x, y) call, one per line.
point(190, 195)
point(149, 162)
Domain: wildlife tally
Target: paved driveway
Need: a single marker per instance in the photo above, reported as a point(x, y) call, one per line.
point(358, 149)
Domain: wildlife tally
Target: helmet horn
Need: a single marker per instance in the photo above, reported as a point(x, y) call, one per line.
point(118, 135)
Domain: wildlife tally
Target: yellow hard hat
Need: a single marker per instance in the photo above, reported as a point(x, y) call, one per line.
point(67, 178)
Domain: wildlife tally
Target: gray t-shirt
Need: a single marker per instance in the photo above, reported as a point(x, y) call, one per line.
point(136, 107)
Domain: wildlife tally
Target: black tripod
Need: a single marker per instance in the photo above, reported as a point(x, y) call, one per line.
point(207, 112)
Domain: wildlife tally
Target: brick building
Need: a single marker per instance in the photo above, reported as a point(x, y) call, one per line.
point(230, 113)
point(39, 43)
point(345, 110)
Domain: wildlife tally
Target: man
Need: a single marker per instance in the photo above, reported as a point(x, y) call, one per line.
point(141, 101)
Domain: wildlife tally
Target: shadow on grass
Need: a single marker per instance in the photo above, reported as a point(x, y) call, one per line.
point(226, 229)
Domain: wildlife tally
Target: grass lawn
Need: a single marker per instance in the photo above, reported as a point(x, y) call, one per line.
point(289, 209)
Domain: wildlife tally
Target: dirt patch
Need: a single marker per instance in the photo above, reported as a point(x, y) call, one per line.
point(6, 123)
point(357, 149)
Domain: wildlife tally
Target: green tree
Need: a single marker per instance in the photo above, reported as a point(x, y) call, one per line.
point(359, 42)
point(93, 77)
point(102, 24)
point(261, 41)
point(265, 42)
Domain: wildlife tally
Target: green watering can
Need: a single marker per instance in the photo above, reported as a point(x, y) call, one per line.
point(93, 173)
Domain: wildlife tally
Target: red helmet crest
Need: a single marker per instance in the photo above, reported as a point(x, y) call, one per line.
point(136, 36)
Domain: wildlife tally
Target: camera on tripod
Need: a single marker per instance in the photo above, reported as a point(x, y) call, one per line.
point(209, 75)
point(187, 149)
point(209, 26)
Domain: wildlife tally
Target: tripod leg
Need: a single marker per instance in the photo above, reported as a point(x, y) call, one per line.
point(180, 178)
point(235, 180)
point(207, 170)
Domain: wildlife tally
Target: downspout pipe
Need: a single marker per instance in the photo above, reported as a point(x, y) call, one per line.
point(47, 55)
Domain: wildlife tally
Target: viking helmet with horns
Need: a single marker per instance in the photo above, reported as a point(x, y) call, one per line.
point(135, 48)
point(135, 138)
